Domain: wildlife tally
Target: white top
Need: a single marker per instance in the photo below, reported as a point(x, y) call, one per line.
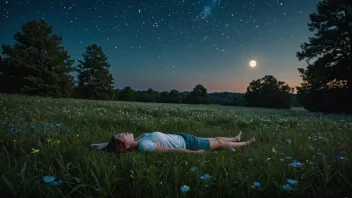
point(151, 140)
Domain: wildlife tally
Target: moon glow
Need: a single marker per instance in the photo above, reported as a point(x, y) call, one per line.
point(253, 63)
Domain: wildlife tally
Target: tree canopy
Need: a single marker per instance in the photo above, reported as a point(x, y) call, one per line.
point(37, 64)
point(327, 80)
point(268, 92)
point(94, 79)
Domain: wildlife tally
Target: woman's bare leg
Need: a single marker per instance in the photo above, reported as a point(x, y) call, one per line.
point(220, 144)
point(228, 139)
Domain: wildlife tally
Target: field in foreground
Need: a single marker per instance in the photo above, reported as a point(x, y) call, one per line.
point(296, 154)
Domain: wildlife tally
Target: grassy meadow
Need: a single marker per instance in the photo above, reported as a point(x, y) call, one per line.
point(297, 153)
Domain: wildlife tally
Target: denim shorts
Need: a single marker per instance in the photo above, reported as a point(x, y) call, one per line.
point(195, 143)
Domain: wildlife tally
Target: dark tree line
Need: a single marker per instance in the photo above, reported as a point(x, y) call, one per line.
point(327, 80)
point(38, 64)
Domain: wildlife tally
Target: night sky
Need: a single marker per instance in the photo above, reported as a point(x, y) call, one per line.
point(169, 44)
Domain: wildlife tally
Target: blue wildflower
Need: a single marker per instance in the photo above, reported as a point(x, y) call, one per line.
point(282, 159)
point(340, 157)
point(287, 187)
point(57, 182)
point(184, 188)
point(324, 138)
point(320, 153)
point(12, 129)
point(194, 168)
point(296, 164)
point(256, 184)
point(288, 157)
point(292, 182)
point(311, 148)
point(312, 163)
point(206, 176)
point(289, 141)
point(232, 149)
point(48, 179)
point(282, 153)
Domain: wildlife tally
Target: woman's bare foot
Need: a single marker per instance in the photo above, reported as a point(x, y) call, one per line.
point(251, 141)
point(238, 137)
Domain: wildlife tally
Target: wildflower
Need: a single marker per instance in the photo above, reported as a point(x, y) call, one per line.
point(57, 182)
point(194, 168)
point(292, 182)
point(311, 148)
point(256, 184)
point(311, 163)
point(289, 141)
point(274, 151)
point(206, 176)
point(48, 179)
point(232, 149)
point(77, 135)
point(184, 188)
point(282, 159)
point(340, 157)
point(296, 164)
point(35, 150)
point(322, 137)
point(288, 157)
point(287, 187)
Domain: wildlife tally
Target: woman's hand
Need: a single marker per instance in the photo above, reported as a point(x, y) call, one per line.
point(201, 151)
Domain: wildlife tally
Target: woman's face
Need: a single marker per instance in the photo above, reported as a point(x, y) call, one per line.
point(126, 138)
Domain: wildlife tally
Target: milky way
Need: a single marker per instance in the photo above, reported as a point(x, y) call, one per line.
point(166, 44)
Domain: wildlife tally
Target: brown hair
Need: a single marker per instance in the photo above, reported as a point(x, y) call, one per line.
point(115, 145)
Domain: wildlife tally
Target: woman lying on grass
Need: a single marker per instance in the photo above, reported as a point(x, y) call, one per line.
point(162, 142)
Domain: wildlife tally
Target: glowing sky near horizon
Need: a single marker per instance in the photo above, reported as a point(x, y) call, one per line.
point(168, 44)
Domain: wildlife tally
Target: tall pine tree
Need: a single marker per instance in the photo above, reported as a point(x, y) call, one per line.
point(37, 64)
point(327, 81)
point(94, 78)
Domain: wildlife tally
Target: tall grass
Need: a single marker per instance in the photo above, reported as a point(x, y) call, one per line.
point(61, 130)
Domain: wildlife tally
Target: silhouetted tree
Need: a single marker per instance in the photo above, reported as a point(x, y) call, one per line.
point(174, 96)
point(199, 95)
point(327, 80)
point(127, 94)
point(268, 92)
point(37, 64)
point(94, 79)
point(164, 97)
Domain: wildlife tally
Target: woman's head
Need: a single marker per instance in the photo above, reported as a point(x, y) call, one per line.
point(120, 142)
